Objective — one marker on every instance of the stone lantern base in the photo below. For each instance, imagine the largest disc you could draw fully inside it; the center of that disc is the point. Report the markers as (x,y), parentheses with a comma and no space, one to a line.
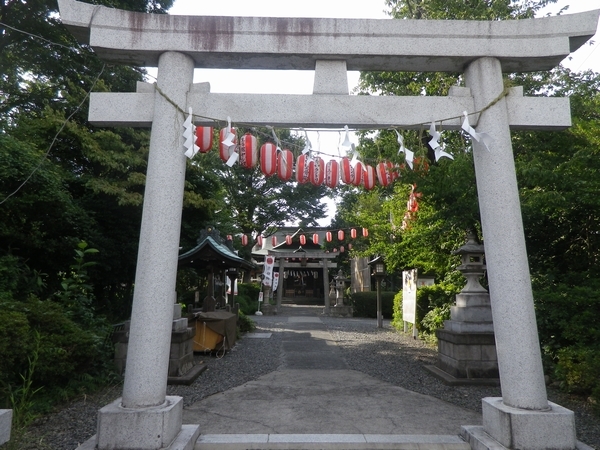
(466,344)
(341,311)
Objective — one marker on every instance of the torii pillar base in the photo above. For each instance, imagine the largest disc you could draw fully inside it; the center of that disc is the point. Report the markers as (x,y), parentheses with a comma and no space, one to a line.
(150,428)
(505,427)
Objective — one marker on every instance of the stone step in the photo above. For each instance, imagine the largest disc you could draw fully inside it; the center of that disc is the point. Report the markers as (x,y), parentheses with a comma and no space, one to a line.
(330,442)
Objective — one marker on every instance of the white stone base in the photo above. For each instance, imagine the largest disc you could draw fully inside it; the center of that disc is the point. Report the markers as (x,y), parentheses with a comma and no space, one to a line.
(5,425)
(185,440)
(514,428)
(150,428)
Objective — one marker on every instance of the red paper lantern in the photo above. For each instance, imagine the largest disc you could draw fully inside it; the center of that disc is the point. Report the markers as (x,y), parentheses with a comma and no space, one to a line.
(204,138)
(259,240)
(248,151)
(365,232)
(358,174)
(315,238)
(328,236)
(316,171)
(342,249)
(302,169)
(224,151)
(349,246)
(285,164)
(353,233)
(341,235)
(335,250)
(369,177)
(274,241)
(384,173)
(288,240)
(346,171)
(268,158)
(302,239)
(332,173)
(244,240)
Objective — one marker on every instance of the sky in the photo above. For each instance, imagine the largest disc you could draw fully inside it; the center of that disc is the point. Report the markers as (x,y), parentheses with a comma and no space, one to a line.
(301,82)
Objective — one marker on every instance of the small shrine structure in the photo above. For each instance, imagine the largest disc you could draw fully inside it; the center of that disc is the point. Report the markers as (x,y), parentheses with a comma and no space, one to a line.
(303,266)
(215,254)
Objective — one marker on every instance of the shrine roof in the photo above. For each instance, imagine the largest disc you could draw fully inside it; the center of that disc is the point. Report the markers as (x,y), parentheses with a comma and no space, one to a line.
(212,250)
(132,38)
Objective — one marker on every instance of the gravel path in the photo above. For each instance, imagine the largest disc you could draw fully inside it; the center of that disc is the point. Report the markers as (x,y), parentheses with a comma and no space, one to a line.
(382,353)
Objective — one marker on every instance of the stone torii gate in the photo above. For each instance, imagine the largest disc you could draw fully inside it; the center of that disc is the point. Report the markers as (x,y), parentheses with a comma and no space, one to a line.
(145,418)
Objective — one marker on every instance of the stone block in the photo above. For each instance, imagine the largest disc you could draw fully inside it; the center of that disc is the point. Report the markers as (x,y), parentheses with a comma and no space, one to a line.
(528,429)
(467,300)
(180,366)
(5,425)
(331,77)
(488,353)
(469,327)
(466,338)
(471,314)
(341,311)
(180,325)
(150,428)
(176,311)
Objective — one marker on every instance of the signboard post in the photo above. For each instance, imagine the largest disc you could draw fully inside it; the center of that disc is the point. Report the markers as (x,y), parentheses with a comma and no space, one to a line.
(409,300)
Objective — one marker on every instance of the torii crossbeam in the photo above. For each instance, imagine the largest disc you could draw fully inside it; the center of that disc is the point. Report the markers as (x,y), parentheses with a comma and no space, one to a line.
(482,51)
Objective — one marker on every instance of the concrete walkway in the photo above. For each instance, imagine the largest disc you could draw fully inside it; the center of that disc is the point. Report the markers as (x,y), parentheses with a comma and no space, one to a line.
(313,400)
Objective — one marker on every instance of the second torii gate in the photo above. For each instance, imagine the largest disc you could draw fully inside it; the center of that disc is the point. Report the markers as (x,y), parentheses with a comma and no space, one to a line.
(145,418)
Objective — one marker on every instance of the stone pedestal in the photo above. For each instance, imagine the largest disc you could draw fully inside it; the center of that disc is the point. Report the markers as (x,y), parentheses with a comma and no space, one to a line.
(341,311)
(466,344)
(181,353)
(505,427)
(150,428)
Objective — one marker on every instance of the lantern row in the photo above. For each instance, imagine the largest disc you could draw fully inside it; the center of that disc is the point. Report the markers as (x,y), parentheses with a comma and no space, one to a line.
(276,161)
(315,237)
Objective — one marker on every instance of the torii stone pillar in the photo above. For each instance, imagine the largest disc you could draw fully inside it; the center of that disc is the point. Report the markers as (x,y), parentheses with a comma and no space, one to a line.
(522,418)
(145,417)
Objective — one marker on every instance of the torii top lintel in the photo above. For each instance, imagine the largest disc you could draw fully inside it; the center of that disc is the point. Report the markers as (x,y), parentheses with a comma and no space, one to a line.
(296,43)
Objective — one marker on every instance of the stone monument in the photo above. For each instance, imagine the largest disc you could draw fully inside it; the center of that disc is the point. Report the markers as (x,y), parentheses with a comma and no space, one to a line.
(145,418)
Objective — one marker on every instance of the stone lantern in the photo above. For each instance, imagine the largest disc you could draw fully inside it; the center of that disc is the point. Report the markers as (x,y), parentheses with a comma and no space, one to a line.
(466,344)
(340,309)
(473,267)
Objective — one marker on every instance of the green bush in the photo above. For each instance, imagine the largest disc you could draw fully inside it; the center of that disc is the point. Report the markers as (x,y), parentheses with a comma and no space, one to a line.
(434,319)
(397,321)
(578,370)
(248,297)
(567,316)
(67,352)
(245,324)
(433,307)
(364,304)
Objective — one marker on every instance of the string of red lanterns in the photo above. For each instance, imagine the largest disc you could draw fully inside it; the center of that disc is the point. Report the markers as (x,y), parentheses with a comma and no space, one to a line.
(341,235)
(274,160)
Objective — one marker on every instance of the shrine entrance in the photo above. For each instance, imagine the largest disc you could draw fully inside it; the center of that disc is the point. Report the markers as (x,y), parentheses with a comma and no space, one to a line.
(481,51)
